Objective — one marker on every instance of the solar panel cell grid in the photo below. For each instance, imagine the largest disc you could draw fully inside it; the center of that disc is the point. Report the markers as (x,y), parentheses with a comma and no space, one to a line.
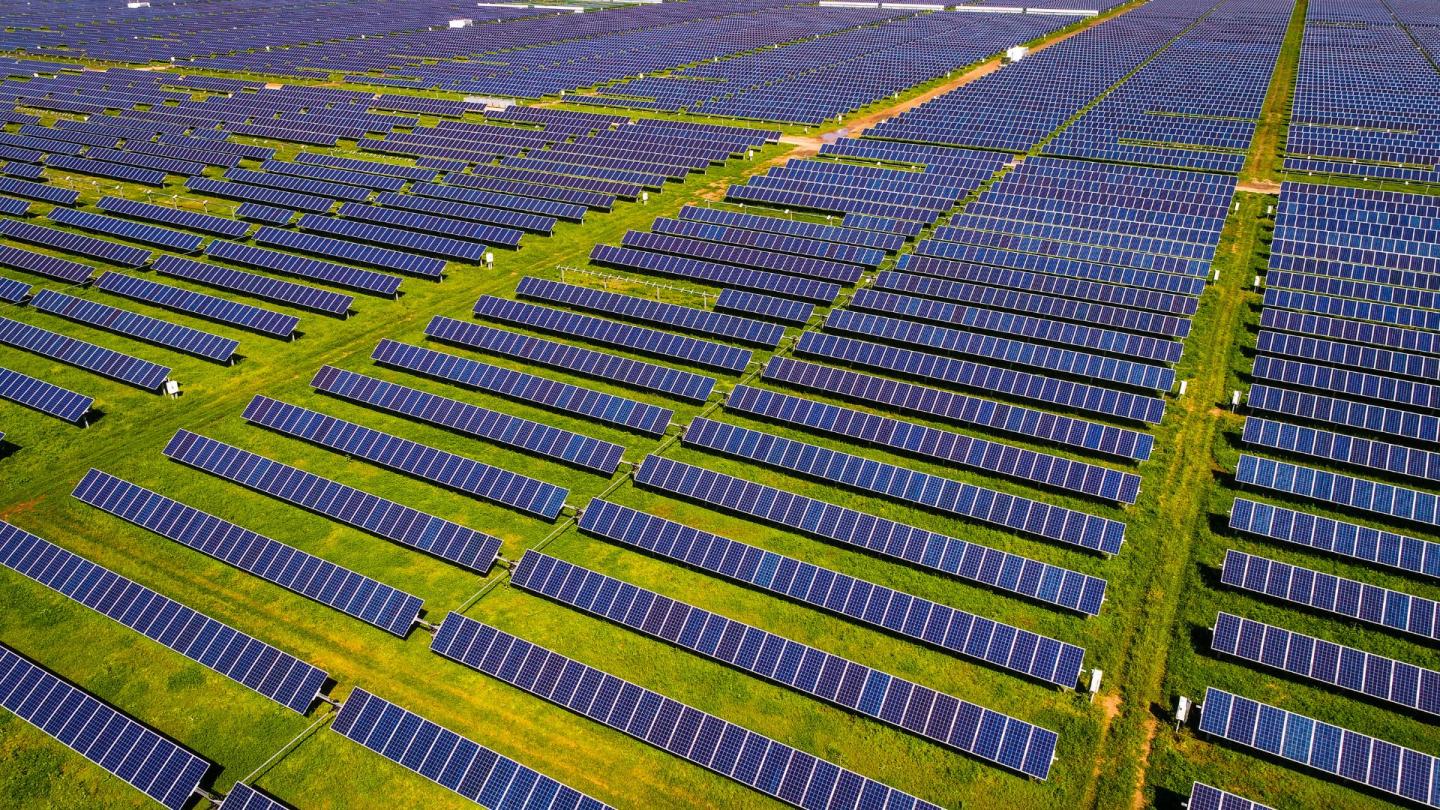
(263,287)
(81,354)
(132,324)
(1337,537)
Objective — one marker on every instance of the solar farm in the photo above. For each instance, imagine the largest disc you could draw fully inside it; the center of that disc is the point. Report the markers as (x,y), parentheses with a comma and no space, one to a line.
(720,403)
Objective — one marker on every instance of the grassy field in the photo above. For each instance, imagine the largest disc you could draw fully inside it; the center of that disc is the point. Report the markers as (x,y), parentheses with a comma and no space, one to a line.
(1117,751)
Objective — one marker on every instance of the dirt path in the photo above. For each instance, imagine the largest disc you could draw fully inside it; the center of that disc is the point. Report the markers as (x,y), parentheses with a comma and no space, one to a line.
(1259,186)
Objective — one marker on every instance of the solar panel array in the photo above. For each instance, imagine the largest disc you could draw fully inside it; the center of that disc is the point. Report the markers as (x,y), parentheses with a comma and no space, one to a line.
(42,396)
(774,657)
(279,676)
(437,466)
(133,324)
(1350,755)
(1332,664)
(1205,797)
(353,594)
(150,763)
(754,760)
(1336,537)
(444,757)
(941,494)
(262,287)
(264,321)
(81,354)
(392,521)
(1342,490)
(89,246)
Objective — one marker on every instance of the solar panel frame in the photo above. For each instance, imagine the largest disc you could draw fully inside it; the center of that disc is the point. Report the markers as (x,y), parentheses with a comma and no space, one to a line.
(290,264)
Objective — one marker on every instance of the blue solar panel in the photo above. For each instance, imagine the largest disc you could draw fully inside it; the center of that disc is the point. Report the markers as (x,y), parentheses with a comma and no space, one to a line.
(744,257)
(391,610)
(12,206)
(335,175)
(725,275)
(189,220)
(1362,452)
(570,399)
(612,333)
(244,797)
(264,321)
(986,378)
(132,324)
(982,639)
(1013,352)
(305,187)
(941,445)
(260,194)
(471,213)
(774,657)
(141,757)
(960,408)
(263,287)
(753,760)
(1331,594)
(463,249)
(12,291)
(935,492)
(1205,797)
(681,384)
(98,359)
(437,466)
(852,254)
(1352,756)
(1336,537)
(1320,408)
(44,397)
(290,264)
(425,266)
(472,420)
(1332,664)
(401,524)
(444,757)
(765,306)
(1367,358)
(743,330)
(1064,287)
(1323,326)
(511,202)
(100,168)
(265,214)
(104,250)
(1343,490)
(279,676)
(371,166)
(829,590)
(125,229)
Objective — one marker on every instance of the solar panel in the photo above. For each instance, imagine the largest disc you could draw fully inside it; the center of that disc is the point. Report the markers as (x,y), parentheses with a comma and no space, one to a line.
(1374,676)
(100,168)
(1366,358)
(414,221)
(1336,537)
(141,757)
(745,257)
(437,466)
(1205,797)
(1343,490)
(425,266)
(12,291)
(1331,594)
(132,324)
(353,594)
(265,214)
(725,748)
(105,251)
(260,194)
(464,250)
(961,408)
(371,166)
(829,590)
(392,521)
(1344,381)
(444,757)
(335,175)
(677,383)
(189,220)
(43,397)
(766,306)
(300,185)
(941,445)
(1396,459)
(512,202)
(1330,749)
(723,275)
(606,332)
(290,264)
(98,359)
(12,206)
(743,330)
(264,321)
(264,287)
(851,254)
(125,229)
(1320,408)
(806,669)
(244,797)
(38,191)
(472,420)
(935,492)
(1018,384)
(534,223)
(250,662)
